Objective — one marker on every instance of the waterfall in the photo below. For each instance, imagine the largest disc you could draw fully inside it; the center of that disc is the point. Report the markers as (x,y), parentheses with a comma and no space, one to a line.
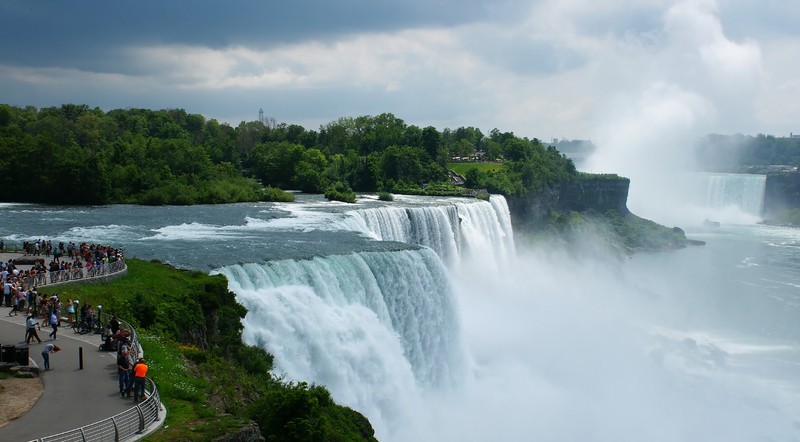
(381,330)
(369,326)
(486,231)
(744,191)
(453,230)
(436,227)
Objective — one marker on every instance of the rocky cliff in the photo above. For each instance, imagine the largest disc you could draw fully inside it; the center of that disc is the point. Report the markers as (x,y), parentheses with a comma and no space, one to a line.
(591,203)
(599,193)
(782,193)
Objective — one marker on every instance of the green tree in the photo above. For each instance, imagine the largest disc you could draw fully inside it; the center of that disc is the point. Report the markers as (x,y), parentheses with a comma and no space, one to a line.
(431,142)
(309,171)
(274,163)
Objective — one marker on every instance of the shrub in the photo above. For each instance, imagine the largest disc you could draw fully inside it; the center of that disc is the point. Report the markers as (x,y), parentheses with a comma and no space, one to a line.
(385,196)
(276,195)
(340,191)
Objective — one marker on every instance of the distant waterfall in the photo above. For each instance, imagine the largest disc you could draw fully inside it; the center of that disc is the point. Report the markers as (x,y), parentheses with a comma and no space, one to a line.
(744,191)
(475,228)
(355,322)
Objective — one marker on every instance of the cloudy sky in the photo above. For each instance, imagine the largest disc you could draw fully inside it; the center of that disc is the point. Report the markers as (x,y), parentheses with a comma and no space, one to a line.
(580,69)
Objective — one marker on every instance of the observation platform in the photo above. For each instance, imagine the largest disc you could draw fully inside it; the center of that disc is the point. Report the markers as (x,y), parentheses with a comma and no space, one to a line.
(73,397)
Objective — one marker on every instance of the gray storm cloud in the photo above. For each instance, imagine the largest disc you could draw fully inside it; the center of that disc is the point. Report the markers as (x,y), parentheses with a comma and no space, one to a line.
(543,69)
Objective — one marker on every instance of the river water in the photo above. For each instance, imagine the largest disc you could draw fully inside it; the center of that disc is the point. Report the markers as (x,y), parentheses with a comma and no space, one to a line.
(423,314)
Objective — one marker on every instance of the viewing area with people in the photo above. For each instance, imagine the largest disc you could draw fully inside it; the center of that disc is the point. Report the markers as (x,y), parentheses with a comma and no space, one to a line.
(55,351)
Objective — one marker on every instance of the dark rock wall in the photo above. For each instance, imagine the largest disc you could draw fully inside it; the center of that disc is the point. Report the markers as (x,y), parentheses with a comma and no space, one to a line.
(782,193)
(598,194)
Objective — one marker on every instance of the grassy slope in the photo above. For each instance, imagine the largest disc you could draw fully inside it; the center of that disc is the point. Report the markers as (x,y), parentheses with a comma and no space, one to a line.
(462,168)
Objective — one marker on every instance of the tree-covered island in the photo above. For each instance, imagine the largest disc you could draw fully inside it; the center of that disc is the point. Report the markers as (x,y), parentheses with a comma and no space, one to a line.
(78,155)
(74,154)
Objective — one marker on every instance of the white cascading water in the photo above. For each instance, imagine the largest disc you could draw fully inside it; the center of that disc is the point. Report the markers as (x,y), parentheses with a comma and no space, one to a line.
(436,227)
(373,327)
(454,231)
(486,231)
(379,329)
(745,191)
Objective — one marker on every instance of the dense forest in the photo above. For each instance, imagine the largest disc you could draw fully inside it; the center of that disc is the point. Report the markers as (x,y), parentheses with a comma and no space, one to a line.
(74,154)
(744,153)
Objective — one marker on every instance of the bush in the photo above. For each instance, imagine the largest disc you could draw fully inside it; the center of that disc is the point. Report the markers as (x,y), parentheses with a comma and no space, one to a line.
(302,412)
(340,191)
(276,195)
(385,196)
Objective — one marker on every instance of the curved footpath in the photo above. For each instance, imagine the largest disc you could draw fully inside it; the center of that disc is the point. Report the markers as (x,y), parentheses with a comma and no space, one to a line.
(72,397)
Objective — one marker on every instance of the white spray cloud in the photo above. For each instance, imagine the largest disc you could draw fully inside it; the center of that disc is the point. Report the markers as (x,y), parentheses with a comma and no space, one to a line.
(698,77)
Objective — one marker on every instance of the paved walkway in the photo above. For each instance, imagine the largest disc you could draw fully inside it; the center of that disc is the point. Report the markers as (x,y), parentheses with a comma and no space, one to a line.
(73,397)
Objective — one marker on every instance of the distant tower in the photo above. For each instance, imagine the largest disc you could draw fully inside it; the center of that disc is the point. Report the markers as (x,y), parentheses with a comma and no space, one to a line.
(261,116)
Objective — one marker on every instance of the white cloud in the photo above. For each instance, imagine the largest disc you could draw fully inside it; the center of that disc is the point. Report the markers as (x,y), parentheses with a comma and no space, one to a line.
(779,103)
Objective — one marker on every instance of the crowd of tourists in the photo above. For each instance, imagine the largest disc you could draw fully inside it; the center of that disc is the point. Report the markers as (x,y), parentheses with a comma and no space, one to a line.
(20,292)
(67,261)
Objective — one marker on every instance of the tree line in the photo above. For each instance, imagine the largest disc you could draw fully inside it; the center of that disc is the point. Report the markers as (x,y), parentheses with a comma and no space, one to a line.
(736,153)
(74,154)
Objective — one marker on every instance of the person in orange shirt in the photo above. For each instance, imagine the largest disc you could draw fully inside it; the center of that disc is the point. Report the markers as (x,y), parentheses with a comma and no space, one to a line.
(139,376)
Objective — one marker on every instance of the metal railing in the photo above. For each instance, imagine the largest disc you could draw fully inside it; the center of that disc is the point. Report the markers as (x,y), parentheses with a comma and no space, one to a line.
(131,422)
(133,338)
(74,275)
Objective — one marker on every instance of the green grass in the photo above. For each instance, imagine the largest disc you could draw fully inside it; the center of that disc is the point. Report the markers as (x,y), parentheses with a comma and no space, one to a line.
(462,168)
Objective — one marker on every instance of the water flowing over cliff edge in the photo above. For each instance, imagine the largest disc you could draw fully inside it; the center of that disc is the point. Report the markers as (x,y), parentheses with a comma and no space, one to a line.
(455,333)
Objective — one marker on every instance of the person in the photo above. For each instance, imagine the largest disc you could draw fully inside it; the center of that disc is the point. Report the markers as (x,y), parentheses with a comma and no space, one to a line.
(45,309)
(70,311)
(14,304)
(76,309)
(125,347)
(124,372)
(121,337)
(114,323)
(8,287)
(30,329)
(49,348)
(139,376)
(54,324)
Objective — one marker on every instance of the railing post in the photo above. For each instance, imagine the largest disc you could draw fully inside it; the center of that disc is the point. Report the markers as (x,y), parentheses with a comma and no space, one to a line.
(141,419)
(155,397)
(116,429)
